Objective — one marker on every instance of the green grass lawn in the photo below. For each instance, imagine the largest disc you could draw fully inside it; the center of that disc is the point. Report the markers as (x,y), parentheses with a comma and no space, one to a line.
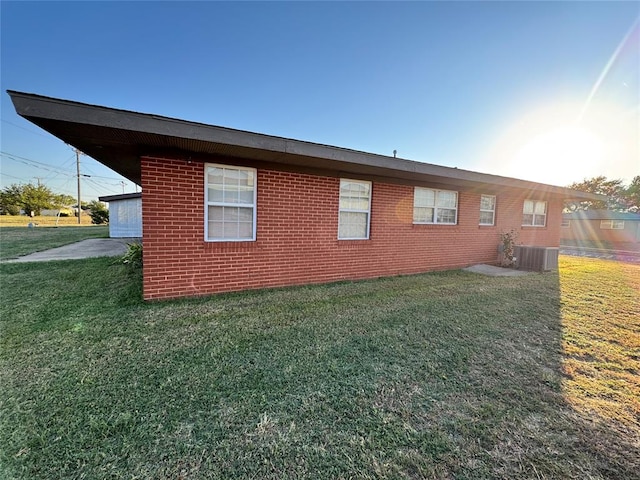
(442,375)
(18,241)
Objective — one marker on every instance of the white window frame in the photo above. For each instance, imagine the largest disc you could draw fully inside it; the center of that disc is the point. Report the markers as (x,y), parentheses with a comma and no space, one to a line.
(493,211)
(342,210)
(208,203)
(435,207)
(611,224)
(533,213)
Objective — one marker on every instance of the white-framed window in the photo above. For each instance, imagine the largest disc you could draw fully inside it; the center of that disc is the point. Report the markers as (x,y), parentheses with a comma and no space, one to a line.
(534,213)
(487,209)
(435,206)
(566,223)
(354,210)
(230,203)
(612,224)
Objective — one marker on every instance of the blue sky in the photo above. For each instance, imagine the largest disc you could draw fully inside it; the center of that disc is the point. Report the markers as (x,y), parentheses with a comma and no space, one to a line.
(499,87)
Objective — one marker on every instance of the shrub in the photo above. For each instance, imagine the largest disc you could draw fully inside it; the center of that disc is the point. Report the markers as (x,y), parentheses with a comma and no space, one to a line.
(99,213)
(508,247)
(133,257)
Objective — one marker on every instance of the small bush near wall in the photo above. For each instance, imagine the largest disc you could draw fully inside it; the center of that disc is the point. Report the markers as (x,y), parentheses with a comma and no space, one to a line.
(508,248)
(133,257)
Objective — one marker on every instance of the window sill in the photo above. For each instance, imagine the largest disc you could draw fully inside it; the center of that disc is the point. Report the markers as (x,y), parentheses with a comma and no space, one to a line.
(230,246)
(434,224)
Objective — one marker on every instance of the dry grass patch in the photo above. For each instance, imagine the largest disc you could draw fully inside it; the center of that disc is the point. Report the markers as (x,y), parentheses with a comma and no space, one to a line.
(601,345)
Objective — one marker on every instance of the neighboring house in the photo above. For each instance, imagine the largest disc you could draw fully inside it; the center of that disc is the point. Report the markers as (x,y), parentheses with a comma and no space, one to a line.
(600,227)
(64,211)
(125,215)
(227,210)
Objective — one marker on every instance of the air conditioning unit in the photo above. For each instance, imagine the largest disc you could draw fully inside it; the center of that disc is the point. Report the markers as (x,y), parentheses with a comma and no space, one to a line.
(539,259)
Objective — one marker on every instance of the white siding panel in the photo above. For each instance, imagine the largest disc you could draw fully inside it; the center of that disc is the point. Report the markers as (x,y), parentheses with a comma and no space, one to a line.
(125,218)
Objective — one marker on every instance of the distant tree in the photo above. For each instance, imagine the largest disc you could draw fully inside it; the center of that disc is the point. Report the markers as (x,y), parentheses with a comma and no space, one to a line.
(11,200)
(614,189)
(63,200)
(99,212)
(36,198)
(30,198)
(633,194)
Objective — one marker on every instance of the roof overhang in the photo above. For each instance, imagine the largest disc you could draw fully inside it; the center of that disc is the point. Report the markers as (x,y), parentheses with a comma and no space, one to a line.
(123,196)
(120,138)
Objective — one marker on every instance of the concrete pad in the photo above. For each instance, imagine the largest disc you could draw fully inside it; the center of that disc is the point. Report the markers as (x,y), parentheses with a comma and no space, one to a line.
(495,271)
(94,247)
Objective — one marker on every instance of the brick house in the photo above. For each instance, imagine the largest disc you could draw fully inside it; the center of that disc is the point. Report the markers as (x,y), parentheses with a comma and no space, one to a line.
(227,210)
(601,228)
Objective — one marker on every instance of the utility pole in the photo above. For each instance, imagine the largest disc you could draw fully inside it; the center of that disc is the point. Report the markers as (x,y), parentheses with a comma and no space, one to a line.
(123,185)
(78,173)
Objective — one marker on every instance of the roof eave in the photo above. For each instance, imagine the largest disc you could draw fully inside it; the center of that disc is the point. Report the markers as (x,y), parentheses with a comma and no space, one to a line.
(137,134)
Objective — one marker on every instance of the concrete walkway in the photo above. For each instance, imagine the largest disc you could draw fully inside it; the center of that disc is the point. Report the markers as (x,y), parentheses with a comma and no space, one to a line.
(94,247)
(495,271)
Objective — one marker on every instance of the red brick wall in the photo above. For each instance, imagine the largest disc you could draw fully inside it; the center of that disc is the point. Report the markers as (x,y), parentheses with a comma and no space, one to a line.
(297,224)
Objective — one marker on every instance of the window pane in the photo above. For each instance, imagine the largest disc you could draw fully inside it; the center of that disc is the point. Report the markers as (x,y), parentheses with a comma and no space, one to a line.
(245,230)
(527,219)
(446,215)
(354,195)
(346,202)
(349,188)
(486,218)
(422,215)
(216,214)
(215,176)
(230,193)
(232,176)
(230,230)
(216,194)
(228,187)
(215,230)
(539,220)
(245,195)
(541,208)
(487,202)
(447,199)
(245,215)
(528,207)
(243,177)
(424,197)
(352,225)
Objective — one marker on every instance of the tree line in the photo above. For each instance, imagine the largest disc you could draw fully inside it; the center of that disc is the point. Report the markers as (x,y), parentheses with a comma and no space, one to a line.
(621,197)
(31,200)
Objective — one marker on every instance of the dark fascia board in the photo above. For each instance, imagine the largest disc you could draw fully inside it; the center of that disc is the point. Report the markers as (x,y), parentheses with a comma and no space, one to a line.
(37,108)
(124,196)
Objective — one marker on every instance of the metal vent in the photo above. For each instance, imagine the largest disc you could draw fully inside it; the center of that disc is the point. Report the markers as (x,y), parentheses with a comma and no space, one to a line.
(539,259)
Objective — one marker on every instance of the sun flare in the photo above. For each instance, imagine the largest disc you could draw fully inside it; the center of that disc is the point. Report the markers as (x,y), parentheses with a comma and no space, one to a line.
(562,150)
(551,145)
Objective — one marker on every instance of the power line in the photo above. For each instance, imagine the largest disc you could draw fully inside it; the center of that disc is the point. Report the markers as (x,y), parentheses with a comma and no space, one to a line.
(13,176)
(26,129)
(49,167)
(34,163)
